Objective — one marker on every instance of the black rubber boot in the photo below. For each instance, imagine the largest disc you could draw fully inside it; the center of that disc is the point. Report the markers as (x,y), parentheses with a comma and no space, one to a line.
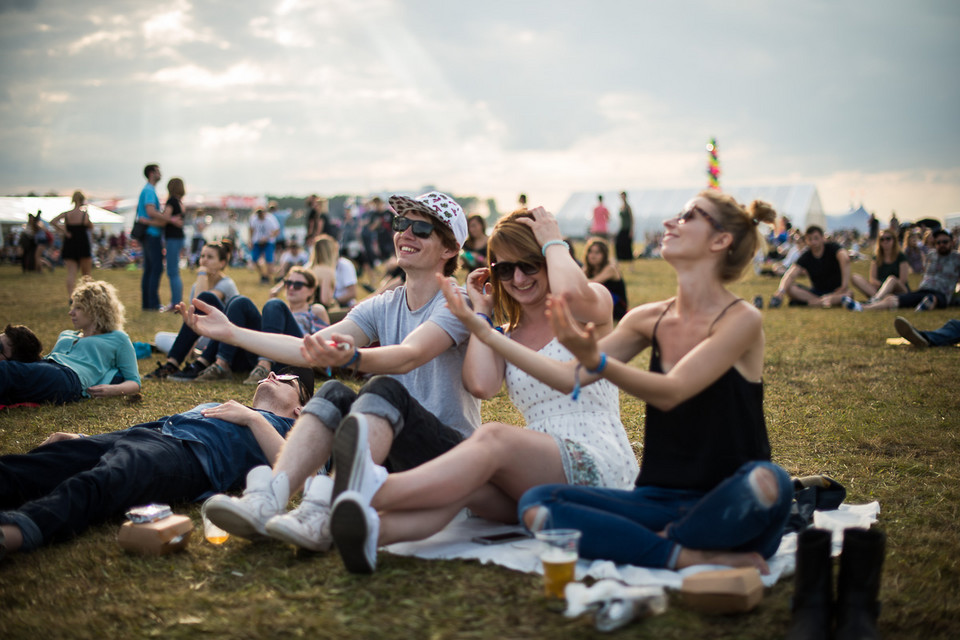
(858,587)
(813,587)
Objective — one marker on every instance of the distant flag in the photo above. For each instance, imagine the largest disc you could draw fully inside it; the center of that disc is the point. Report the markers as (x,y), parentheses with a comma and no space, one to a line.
(713,166)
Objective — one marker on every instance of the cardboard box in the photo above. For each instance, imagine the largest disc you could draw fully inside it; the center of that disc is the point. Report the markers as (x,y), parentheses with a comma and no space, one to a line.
(156,538)
(723,591)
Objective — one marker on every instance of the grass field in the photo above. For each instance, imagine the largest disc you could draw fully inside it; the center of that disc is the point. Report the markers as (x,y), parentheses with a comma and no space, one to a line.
(883,420)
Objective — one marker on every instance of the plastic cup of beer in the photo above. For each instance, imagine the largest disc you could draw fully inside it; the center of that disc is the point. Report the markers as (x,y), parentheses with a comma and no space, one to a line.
(213,533)
(558,553)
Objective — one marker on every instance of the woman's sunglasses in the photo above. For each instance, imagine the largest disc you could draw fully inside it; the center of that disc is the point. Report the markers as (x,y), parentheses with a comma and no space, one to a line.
(421,228)
(294,284)
(504,270)
(686,216)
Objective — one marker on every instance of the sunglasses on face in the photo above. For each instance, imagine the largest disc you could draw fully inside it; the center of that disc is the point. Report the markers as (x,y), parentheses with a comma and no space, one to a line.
(504,271)
(421,228)
(285,378)
(943,241)
(294,284)
(885,238)
(688,215)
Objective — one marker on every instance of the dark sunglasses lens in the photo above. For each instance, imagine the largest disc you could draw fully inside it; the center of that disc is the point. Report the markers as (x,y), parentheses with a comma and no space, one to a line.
(529,268)
(421,228)
(505,270)
(296,285)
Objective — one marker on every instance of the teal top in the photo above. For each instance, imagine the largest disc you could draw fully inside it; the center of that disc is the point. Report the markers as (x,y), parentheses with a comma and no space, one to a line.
(96,359)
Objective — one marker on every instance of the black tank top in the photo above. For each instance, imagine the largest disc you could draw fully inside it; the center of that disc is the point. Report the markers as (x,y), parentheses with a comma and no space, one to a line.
(704,440)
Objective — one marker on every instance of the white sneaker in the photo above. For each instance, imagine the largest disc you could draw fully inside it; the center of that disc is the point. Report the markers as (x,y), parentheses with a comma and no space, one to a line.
(356,528)
(307,526)
(265,496)
(354,469)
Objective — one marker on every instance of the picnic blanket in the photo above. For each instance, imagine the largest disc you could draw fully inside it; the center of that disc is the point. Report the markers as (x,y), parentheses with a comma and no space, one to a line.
(455,541)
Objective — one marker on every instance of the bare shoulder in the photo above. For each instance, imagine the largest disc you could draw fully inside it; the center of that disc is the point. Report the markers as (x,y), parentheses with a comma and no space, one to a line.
(641,319)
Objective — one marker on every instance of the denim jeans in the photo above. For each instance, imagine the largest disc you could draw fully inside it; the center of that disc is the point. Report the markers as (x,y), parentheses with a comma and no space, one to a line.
(152,272)
(622,525)
(187,337)
(945,336)
(58,490)
(174,246)
(242,312)
(418,436)
(43,381)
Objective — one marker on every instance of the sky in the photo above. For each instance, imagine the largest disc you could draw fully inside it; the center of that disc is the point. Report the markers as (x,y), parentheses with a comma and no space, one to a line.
(490,99)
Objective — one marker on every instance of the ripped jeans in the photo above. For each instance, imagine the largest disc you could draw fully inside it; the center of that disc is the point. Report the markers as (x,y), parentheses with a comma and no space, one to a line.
(622,525)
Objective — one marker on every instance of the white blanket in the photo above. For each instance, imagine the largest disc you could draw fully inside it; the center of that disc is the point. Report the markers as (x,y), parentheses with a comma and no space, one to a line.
(455,541)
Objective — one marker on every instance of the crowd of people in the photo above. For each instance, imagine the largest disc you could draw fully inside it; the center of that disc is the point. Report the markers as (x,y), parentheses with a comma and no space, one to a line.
(407,449)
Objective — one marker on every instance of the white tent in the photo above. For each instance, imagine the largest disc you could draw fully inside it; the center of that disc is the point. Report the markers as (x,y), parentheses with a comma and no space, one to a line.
(856,219)
(14,210)
(799,202)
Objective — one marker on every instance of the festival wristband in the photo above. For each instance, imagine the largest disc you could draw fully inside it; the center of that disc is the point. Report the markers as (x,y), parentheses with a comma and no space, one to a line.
(490,322)
(550,243)
(356,356)
(601,366)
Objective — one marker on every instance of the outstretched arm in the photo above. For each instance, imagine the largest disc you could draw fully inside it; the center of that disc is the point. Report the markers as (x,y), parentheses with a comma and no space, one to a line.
(267,437)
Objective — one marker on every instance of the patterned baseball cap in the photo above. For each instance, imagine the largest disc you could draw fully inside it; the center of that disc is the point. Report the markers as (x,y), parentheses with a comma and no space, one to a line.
(437,205)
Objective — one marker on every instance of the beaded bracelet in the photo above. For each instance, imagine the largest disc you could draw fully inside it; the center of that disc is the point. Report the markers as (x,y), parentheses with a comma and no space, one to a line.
(576,374)
(550,243)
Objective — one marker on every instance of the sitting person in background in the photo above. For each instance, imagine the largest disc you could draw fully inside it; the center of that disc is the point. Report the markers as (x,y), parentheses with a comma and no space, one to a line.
(345,291)
(215,288)
(293,256)
(20,344)
(948,334)
(888,262)
(96,360)
(828,267)
(600,268)
(913,249)
(941,272)
(323,264)
(474,252)
(70,481)
(297,317)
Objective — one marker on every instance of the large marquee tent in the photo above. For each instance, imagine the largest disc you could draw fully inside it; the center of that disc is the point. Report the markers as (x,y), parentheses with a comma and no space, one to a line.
(14,210)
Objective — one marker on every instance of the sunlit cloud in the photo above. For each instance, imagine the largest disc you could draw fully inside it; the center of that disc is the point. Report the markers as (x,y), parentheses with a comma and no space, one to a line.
(233,135)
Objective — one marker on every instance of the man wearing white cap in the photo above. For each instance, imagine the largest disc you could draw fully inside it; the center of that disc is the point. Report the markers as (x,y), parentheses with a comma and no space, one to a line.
(412,413)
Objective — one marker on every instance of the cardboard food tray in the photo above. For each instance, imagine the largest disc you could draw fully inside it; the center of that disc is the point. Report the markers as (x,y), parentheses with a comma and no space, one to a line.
(156,538)
(723,591)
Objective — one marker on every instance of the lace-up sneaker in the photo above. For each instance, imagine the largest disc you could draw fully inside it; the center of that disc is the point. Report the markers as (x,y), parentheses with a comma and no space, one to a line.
(213,373)
(163,370)
(189,372)
(909,332)
(355,526)
(266,495)
(851,304)
(354,469)
(928,302)
(259,373)
(307,526)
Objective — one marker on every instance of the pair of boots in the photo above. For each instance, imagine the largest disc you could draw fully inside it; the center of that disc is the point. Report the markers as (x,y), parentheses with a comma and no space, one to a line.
(858,586)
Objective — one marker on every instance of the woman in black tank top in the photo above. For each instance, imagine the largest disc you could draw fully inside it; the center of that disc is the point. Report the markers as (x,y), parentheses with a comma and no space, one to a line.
(77,251)
(706,447)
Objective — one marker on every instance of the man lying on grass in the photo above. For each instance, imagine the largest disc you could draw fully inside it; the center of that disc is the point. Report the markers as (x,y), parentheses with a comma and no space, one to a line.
(71,481)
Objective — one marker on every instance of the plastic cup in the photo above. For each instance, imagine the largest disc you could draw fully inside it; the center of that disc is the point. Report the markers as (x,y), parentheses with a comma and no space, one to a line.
(213,533)
(559,550)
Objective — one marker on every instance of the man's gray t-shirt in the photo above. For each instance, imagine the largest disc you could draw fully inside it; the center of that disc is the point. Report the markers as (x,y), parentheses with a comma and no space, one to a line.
(437,385)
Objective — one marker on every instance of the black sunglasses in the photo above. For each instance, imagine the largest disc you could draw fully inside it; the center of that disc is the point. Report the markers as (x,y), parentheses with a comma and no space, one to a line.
(284,377)
(504,270)
(421,228)
(295,284)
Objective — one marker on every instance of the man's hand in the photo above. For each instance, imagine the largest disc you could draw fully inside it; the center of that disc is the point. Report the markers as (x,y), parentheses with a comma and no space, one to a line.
(210,321)
(232,411)
(322,353)
(58,436)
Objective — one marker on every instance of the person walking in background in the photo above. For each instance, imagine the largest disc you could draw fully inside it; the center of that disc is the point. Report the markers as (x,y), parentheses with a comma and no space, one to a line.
(173,214)
(148,213)
(624,241)
(77,252)
(264,229)
(601,220)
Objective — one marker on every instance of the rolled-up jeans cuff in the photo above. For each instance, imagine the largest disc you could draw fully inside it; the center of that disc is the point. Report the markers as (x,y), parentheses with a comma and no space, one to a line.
(674,557)
(32,538)
(372,404)
(325,411)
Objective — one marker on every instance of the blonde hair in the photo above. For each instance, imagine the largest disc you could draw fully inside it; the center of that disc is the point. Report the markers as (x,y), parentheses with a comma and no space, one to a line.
(741,223)
(325,251)
(78,198)
(99,300)
(511,235)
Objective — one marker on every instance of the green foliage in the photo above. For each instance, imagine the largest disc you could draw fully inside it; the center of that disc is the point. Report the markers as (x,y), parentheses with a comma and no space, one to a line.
(880,419)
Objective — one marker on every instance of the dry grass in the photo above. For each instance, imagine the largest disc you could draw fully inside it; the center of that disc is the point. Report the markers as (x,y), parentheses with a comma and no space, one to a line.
(882,420)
